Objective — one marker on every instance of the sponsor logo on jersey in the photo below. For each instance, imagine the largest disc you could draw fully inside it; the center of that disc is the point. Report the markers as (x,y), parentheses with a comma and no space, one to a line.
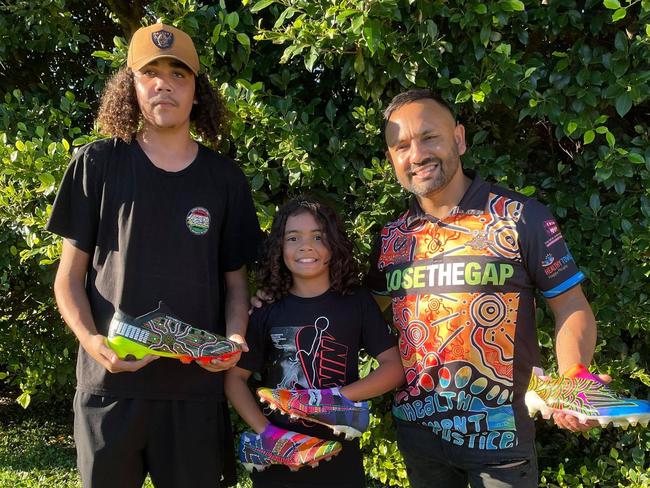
(548,260)
(557,265)
(551,227)
(198,220)
(553,231)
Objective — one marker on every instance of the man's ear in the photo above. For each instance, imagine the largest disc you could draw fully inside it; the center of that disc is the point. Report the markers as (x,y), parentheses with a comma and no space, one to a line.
(388,156)
(459,138)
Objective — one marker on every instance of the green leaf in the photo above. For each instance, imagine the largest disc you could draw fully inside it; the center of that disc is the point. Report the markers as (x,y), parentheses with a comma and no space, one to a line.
(359,64)
(371,34)
(261,5)
(626,225)
(512,5)
(480,8)
(484,35)
(619,14)
(311,58)
(529,72)
(330,111)
(232,19)
(432,29)
(478,96)
(244,40)
(611,140)
(479,137)
(216,33)
(589,136)
(594,202)
(623,104)
(612,4)
(571,128)
(257,182)
(635,158)
(47,180)
(24,399)
(529,190)
(102,55)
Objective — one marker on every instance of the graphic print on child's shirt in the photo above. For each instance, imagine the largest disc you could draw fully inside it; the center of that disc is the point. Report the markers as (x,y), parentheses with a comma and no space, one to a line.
(309,356)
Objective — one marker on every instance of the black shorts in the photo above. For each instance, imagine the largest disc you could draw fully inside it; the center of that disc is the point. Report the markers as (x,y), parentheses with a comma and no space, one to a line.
(432,462)
(179,443)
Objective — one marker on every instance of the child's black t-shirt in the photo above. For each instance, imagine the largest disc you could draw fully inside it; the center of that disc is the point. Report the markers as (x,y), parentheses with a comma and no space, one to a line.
(314,343)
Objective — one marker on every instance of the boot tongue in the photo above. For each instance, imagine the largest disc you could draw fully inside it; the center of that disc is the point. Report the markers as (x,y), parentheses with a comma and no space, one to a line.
(579,371)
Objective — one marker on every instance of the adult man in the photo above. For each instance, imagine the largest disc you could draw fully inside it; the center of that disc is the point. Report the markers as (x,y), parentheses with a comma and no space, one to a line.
(151,215)
(462,265)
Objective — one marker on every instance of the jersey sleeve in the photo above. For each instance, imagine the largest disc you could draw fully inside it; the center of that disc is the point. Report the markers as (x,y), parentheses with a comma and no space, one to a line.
(241,233)
(545,253)
(376,336)
(375,280)
(75,213)
(253,360)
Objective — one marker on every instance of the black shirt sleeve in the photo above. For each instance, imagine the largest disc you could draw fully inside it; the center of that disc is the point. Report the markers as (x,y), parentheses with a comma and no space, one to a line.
(75,213)
(545,253)
(376,336)
(241,230)
(375,280)
(254,359)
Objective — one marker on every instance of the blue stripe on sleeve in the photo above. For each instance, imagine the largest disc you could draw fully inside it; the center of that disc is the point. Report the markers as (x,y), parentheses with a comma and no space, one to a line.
(562,287)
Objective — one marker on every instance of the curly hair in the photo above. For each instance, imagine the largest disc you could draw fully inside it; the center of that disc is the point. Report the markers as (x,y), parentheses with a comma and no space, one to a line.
(119,114)
(275,279)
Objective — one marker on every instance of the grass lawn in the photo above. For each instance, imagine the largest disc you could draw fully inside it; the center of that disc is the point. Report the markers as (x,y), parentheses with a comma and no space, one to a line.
(37,449)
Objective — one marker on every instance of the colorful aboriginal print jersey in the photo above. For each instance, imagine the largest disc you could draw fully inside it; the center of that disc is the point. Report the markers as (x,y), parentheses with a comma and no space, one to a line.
(463,295)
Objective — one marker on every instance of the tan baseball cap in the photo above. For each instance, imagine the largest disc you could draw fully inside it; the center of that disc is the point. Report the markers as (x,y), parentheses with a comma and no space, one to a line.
(161,41)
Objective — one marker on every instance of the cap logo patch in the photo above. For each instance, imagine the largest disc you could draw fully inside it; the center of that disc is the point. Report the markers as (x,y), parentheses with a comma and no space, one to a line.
(198,221)
(162,39)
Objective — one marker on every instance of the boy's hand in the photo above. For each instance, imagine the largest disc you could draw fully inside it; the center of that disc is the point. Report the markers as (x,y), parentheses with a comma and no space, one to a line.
(217,365)
(95,345)
(259,299)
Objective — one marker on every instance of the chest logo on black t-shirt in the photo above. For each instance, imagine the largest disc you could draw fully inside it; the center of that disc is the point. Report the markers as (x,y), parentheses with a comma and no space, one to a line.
(198,221)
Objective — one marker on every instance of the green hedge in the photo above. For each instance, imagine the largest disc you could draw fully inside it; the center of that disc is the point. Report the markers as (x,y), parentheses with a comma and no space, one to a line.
(554,96)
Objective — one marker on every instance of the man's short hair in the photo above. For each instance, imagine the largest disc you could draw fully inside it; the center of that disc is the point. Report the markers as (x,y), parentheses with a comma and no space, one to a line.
(411,96)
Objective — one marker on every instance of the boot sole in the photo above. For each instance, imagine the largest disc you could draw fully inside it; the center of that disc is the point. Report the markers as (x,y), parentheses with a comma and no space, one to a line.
(536,404)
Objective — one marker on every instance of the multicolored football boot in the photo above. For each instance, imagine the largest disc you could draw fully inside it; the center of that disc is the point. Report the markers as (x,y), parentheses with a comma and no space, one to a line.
(327,407)
(584,395)
(280,446)
(161,334)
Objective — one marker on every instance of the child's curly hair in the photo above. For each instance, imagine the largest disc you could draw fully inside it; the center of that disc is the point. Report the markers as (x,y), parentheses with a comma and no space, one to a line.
(274,278)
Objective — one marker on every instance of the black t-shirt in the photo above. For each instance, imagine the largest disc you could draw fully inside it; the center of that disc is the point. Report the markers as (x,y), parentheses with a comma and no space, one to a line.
(315,343)
(155,235)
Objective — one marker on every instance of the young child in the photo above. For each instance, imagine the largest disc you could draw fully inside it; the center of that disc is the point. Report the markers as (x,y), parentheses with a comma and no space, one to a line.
(306,344)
